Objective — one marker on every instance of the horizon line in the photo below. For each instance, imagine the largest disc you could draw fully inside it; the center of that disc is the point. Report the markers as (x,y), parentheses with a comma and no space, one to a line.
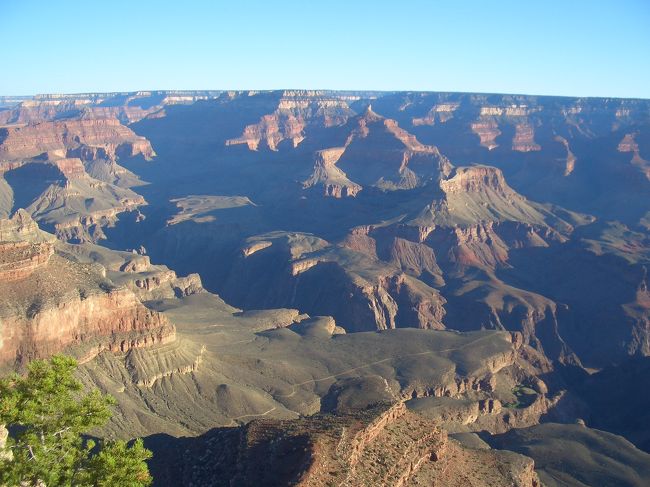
(272,90)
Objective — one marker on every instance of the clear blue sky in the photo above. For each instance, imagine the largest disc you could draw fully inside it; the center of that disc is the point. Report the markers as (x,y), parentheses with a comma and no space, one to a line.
(555,47)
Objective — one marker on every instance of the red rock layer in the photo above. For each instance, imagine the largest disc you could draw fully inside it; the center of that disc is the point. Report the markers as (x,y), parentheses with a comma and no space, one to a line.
(293,112)
(524,139)
(71,167)
(475,179)
(51,304)
(113,320)
(32,140)
(19,260)
(382,446)
(272,129)
(488,131)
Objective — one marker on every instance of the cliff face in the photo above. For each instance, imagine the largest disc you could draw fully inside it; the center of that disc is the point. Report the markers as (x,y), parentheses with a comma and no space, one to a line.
(400,161)
(108,134)
(112,320)
(66,175)
(326,174)
(539,143)
(127,107)
(292,114)
(51,304)
(444,214)
(23,247)
(457,192)
(385,445)
(296,270)
(479,218)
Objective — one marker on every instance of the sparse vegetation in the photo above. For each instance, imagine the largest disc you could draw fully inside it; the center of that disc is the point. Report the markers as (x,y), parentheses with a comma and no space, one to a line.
(48,416)
(524,396)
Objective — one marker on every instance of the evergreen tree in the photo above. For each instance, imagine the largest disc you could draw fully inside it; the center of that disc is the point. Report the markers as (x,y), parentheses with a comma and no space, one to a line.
(48,414)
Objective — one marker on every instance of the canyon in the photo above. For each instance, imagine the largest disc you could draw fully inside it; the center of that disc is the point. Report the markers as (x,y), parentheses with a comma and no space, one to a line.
(340,288)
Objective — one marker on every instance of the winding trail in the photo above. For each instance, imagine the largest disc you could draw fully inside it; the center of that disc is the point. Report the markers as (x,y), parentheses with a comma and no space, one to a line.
(388,359)
(370,364)
(234,420)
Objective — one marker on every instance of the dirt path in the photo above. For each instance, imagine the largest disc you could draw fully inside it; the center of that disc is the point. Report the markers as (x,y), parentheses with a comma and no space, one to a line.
(388,359)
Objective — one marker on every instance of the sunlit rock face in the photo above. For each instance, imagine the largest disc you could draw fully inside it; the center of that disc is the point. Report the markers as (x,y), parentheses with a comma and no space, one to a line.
(453,252)
(51,304)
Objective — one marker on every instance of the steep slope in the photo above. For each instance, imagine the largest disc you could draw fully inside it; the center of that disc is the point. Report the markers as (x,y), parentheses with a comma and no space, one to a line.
(386,446)
(386,274)
(480,294)
(574,152)
(293,113)
(65,173)
(375,151)
(332,179)
(303,271)
(50,303)
(568,454)
(115,139)
(471,227)
(63,198)
(126,107)
(228,367)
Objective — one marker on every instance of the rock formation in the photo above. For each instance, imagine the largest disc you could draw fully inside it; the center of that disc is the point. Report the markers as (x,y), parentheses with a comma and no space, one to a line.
(384,445)
(297,270)
(326,173)
(127,107)
(487,131)
(51,304)
(108,134)
(87,188)
(629,144)
(475,259)
(293,112)
(399,160)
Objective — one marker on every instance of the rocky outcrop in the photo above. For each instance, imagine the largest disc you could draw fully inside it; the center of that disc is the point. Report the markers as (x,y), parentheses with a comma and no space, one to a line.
(440,113)
(21,228)
(487,131)
(334,181)
(383,445)
(147,281)
(69,171)
(255,247)
(292,112)
(299,271)
(475,179)
(126,107)
(271,130)
(83,326)
(50,304)
(146,367)
(109,134)
(400,160)
(70,167)
(79,209)
(480,217)
(463,415)
(165,283)
(571,159)
(23,247)
(524,139)
(19,260)
(629,144)
(66,200)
